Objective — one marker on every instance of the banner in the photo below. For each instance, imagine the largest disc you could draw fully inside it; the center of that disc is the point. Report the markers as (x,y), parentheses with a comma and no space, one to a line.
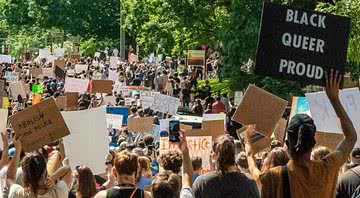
(198,147)
(124,111)
(76,85)
(261,108)
(141,125)
(114,121)
(301,45)
(165,104)
(88,144)
(39,125)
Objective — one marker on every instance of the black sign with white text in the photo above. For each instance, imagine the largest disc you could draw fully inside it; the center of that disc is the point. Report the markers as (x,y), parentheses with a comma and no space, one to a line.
(301,45)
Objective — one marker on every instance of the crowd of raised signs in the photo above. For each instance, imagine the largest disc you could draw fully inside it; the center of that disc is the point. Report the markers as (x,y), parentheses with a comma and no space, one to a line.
(99,128)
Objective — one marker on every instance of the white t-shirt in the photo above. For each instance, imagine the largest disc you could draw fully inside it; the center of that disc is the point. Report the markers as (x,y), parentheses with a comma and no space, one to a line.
(59,191)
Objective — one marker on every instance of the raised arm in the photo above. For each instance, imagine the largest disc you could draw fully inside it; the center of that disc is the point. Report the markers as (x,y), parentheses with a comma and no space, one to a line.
(5,152)
(346,145)
(187,171)
(11,173)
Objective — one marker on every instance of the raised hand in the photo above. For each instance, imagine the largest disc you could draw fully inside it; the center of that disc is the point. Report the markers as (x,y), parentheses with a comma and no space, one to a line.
(333,85)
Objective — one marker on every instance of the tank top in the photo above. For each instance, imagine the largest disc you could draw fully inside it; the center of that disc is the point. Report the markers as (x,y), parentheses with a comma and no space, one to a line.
(124,192)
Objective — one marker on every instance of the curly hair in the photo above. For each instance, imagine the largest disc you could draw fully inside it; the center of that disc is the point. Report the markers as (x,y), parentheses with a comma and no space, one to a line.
(166,185)
(171,161)
(126,163)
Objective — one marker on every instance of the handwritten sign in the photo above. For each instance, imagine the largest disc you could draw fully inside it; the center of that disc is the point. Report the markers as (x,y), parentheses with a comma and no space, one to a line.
(61,103)
(114,121)
(101,86)
(48,72)
(301,45)
(165,104)
(72,100)
(76,85)
(36,71)
(124,111)
(141,125)
(198,147)
(261,108)
(39,125)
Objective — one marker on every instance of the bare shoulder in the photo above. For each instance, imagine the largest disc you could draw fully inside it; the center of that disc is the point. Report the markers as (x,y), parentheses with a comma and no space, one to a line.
(101,194)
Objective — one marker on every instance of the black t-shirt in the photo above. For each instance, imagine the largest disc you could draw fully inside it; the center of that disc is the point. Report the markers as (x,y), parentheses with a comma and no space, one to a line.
(229,185)
(348,182)
(119,192)
(136,82)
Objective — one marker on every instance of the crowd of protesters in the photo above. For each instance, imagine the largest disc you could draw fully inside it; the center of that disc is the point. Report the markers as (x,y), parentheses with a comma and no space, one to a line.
(134,169)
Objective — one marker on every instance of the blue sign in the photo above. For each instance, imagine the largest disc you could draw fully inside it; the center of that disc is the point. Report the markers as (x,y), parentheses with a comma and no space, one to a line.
(124,111)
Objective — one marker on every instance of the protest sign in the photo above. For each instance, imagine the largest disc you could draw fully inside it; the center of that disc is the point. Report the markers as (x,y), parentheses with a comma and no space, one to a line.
(61,103)
(60,63)
(35,71)
(48,72)
(37,88)
(299,105)
(76,85)
(198,147)
(128,101)
(238,97)
(3,119)
(164,124)
(329,140)
(280,130)
(114,121)
(156,132)
(59,52)
(88,144)
(26,88)
(261,108)
(209,117)
(39,124)
(101,86)
(113,75)
(44,53)
(324,114)
(110,100)
(349,83)
(59,73)
(4,102)
(165,104)
(79,68)
(141,125)
(124,111)
(72,100)
(113,62)
(214,128)
(16,89)
(11,76)
(258,141)
(5,58)
(301,45)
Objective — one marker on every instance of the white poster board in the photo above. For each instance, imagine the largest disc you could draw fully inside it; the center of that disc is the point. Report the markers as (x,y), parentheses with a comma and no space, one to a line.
(114,121)
(44,53)
(324,114)
(5,58)
(80,68)
(238,97)
(165,104)
(113,62)
(88,144)
(76,85)
(59,52)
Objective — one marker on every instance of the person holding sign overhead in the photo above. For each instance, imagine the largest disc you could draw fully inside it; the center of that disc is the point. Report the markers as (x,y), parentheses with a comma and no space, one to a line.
(303,177)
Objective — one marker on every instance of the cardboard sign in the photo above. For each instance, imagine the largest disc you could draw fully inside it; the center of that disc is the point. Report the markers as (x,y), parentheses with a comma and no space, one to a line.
(3,119)
(113,62)
(16,89)
(261,108)
(72,100)
(88,144)
(114,121)
(258,141)
(76,85)
(280,130)
(141,125)
(299,105)
(219,116)
(39,125)
(36,71)
(61,103)
(11,76)
(165,104)
(124,111)
(198,147)
(301,45)
(349,83)
(81,68)
(330,140)
(60,63)
(214,128)
(324,115)
(101,86)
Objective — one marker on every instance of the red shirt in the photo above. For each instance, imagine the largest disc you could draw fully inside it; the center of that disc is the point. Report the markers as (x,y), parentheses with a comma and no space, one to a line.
(218,107)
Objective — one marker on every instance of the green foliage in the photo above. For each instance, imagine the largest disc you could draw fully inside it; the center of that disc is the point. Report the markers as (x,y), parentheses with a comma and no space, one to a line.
(216,86)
